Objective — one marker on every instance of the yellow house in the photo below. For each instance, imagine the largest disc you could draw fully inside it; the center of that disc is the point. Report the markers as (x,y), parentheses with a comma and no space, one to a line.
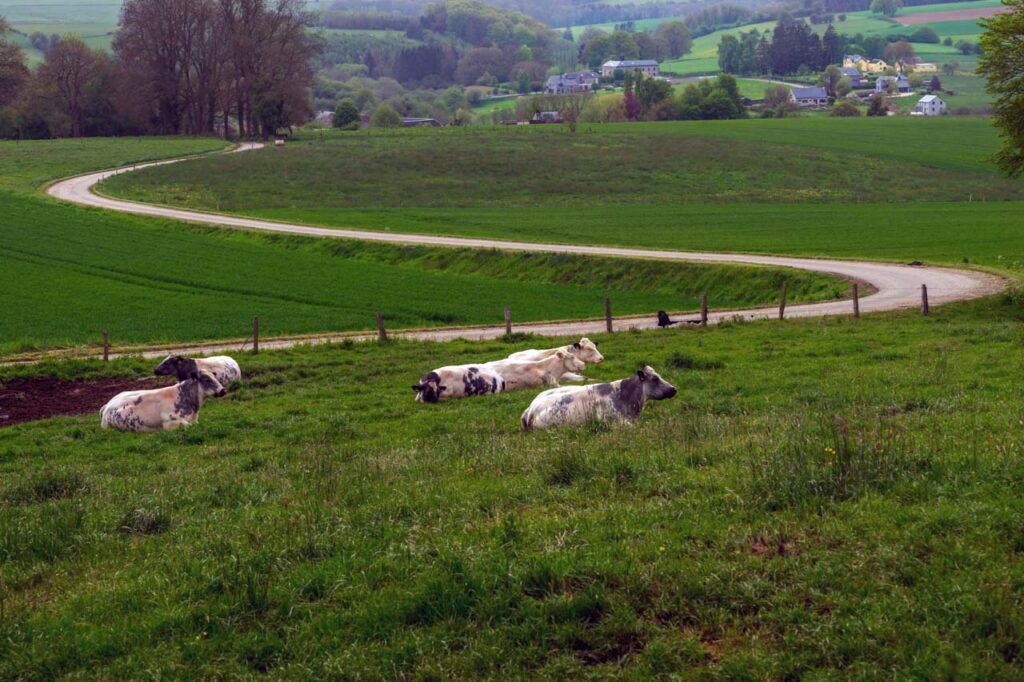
(925,67)
(855,61)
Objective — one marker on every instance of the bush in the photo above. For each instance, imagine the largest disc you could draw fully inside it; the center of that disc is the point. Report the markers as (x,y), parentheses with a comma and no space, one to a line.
(925,34)
(385,117)
(346,116)
(948,42)
(845,108)
(878,105)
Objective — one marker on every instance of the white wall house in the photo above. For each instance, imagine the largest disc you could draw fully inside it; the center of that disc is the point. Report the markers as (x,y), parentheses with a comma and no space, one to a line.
(931,105)
(648,67)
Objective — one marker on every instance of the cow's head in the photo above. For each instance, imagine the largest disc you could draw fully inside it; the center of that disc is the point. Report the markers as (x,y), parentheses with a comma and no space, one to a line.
(177,366)
(429,389)
(655,388)
(571,362)
(208,384)
(587,351)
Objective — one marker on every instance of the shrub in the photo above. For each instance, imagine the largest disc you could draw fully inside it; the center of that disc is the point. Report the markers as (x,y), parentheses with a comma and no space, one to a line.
(925,34)
(878,105)
(346,116)
(385,117)
(845,108)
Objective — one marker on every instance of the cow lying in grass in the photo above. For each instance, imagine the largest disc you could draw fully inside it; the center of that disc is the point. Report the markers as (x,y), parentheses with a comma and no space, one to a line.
(544,372)
(584,349)
(224,369)
(621,400)
(161,408)
(458,381)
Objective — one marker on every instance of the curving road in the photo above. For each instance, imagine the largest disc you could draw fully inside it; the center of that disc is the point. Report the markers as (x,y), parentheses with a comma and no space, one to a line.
(896,286)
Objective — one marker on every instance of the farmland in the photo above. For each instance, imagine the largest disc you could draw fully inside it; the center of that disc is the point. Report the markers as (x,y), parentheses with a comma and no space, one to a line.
(155,281)
(317,522)
(664,205)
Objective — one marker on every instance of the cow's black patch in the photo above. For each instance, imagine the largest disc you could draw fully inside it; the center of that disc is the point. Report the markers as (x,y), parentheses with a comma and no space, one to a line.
(629,400)
(187,401)
(566,399)
(603,390)
(474,384)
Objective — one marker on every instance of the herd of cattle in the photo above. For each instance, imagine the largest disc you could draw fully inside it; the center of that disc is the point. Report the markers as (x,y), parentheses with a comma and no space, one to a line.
(178,405)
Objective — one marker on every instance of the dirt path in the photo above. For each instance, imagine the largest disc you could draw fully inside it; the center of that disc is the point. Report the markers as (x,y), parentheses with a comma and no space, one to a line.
(896,286)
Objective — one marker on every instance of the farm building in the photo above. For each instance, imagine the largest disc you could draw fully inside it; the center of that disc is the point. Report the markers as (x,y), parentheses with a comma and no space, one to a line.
(568,83)
(902,84)
(857,79)
(809,97)
(926,67)
(645,66)
(546,117)
(411,122)
(930,105)
(863,64)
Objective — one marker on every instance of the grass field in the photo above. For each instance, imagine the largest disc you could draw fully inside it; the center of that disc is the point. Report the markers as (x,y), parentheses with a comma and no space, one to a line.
(658,203)
(823,499)
(69,273)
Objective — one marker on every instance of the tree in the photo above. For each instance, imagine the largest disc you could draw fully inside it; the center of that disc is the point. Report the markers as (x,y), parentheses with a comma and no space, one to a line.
(925,34)
(674,38)
(385,117)
(935,84)
(878,105)
(844,87)
(13,72)
(1002,64)
(950,67)
(845,108)
(523,83)
(651,91)
(68,77)
(830,49)
(887,7)
(346,116)
(729,54)
(830,79)
(777,95)
(966,48)
(901,52)
(570,107)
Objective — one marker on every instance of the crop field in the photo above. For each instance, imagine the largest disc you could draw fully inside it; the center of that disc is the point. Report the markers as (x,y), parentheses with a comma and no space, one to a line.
(69,273)
(662,201)
(821,497)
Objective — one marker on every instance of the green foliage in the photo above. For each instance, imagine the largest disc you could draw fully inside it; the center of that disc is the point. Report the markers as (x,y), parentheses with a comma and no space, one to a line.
(1001,65)
(385,117)
(878,105)
(887,7)
(844,109)
(346,116)
(925,34)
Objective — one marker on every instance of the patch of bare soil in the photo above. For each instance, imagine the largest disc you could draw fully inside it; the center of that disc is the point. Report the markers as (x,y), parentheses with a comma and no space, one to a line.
(25,400)
(950,15)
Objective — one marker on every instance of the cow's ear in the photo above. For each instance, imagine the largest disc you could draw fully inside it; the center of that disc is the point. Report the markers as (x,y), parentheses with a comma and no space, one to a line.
(442,388)
(193,375)
(577,345)
(417,388)
(641,375)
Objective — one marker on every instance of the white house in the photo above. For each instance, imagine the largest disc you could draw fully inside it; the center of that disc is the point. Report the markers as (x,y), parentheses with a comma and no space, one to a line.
(931,105)
(902,84)
(567,83)
(809,97)
(647,67)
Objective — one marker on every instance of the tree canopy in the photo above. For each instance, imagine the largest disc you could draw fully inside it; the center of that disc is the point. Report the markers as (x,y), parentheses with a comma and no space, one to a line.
(1002,64)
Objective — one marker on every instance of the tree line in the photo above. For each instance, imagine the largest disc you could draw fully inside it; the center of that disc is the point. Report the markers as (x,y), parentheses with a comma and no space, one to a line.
(236,67)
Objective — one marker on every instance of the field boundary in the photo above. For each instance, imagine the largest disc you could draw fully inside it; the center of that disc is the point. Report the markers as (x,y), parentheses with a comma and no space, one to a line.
(895,286)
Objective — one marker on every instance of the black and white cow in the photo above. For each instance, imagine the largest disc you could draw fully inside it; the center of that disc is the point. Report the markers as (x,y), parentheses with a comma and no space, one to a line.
(160,409)
(531,374)
(458,381)
(224,369)
(619,400)
(584,349)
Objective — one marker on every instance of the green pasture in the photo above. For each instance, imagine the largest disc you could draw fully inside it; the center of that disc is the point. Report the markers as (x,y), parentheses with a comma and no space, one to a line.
(823,499)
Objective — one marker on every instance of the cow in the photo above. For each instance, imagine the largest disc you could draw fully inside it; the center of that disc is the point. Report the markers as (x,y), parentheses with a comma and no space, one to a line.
(584,349)
(531,374)
(224,369)
(621,400)
(458,381)
(159,409)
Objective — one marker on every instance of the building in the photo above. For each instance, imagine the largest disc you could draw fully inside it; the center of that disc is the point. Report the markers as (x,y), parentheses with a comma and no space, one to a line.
(546,117)
(809,97)
(925,67)
(857,79)
(864,65)
(325,117)
(902,84)
(930,105)
(648,67)
(568,83)
(413,122)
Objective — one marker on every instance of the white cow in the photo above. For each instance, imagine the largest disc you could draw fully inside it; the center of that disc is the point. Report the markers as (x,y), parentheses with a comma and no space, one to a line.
(161,408)
(619,400)
(543,372)
(584,349)
(458,381)
(224,369)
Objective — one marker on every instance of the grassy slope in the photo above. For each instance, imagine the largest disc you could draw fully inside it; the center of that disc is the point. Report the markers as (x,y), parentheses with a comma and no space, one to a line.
(71,272)
(649,216)
(821,496)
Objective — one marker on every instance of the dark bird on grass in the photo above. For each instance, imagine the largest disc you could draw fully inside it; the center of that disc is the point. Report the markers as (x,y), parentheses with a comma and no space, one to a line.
(664,321)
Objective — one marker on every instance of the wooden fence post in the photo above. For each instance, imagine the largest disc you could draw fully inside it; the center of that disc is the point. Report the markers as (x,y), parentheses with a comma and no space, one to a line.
(608,314)
(856,301)
(256,334)
(380,328)
(106,346)
(924,299)
(508,320)
(782,301)
(704,309)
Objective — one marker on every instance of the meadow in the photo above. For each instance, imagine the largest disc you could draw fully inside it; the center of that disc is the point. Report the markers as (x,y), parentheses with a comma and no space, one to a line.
(70,273)
(822,499)
(670,186)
